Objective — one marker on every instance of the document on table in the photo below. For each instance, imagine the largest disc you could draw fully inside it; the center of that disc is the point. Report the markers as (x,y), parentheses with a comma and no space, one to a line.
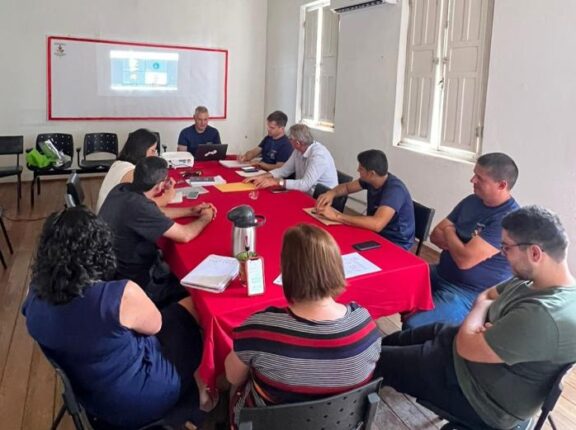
(325,221)
(354,265)
(234,187)
(233,164)
(213,274)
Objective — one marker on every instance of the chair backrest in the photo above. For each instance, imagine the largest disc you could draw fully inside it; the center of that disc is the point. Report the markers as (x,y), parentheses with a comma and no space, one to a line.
(62,142)
(339,203)
(100,142)
(343,178)
(423,217)
(344,411)
(11,145)
(553,396)
(74,189)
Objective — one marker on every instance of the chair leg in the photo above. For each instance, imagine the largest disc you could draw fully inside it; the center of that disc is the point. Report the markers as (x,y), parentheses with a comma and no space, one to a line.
(38,185)
(56,422)
(19,191)
(3,261)
(32,191)
(552,423)
(6,236)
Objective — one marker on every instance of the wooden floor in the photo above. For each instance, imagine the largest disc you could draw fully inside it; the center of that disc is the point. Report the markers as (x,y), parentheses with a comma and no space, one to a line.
(29,394)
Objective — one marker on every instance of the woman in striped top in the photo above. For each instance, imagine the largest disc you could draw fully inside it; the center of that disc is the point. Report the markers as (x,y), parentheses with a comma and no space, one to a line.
(313,348)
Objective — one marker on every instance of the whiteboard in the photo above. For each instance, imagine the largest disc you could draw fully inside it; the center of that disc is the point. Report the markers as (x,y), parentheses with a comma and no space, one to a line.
(92,79)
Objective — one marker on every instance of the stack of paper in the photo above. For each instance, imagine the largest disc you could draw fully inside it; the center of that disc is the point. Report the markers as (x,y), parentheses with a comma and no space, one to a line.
(233,164)
(205,180)
(213,274)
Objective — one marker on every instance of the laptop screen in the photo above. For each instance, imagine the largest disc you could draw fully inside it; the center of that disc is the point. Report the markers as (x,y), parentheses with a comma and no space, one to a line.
(210,151)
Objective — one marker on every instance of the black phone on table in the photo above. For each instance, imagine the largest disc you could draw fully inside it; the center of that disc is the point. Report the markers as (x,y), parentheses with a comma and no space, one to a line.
(364,246)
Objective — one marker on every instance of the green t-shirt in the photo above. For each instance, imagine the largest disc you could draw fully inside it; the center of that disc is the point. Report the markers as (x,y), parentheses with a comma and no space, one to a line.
(534,333)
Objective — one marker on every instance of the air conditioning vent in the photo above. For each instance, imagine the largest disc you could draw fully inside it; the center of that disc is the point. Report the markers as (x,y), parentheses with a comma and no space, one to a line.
(343,6)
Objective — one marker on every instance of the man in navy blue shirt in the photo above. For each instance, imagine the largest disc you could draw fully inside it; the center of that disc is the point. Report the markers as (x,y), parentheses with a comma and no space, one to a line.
(198,133)
(390,211)
(470,239)
(275,148)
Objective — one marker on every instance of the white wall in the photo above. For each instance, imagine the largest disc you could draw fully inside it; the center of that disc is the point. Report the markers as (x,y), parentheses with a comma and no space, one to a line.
(239,26)
(531,100)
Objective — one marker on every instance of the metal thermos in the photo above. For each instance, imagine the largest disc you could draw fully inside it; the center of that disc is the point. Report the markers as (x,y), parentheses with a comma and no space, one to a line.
(244,227)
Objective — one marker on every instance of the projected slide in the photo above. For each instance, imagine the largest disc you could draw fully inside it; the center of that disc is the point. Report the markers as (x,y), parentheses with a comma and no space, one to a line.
(102,79)
(147,70)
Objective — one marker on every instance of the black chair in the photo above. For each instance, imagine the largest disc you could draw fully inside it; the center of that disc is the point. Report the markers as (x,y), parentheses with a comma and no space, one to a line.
(354,409)
(176,418)
(6,237)
(338,203)
(13,145)
(423,217)
(545,412)
(343,178)
(98,143)
(74,192)
(62,142)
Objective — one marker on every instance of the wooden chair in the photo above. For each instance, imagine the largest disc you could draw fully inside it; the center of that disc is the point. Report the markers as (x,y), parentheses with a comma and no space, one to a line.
(13,145)
(545,412)
(98,143)
(423,217)
(354,409)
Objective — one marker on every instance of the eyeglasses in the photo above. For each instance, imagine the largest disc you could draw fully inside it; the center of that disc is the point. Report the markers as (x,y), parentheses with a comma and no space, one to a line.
(504,248)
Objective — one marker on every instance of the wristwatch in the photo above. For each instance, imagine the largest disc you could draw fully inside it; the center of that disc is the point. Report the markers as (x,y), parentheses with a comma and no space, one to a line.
(281,182)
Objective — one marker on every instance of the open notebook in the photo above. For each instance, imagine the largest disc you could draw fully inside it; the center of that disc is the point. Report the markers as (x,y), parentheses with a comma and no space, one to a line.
(213,274)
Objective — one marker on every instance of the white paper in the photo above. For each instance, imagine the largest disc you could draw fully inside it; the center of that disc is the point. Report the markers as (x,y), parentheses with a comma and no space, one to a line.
(354,265)
(233,164)
(187,190)
(250,174)
(213,273)
(177,198)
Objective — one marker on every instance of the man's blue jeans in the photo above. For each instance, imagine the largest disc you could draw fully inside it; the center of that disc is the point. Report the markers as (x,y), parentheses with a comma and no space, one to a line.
(451,304)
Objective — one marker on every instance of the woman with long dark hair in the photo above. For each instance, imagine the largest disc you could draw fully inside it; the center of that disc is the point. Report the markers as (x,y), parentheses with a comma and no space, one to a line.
(128,362)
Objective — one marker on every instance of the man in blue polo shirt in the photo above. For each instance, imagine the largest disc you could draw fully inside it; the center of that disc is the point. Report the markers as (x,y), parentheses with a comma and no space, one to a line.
(198,133)
(275,148)
(470,239)
(390,210)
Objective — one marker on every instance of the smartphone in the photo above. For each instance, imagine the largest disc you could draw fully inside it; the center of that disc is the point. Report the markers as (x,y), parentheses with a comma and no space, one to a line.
(364,246)
(192,195)
(250,169)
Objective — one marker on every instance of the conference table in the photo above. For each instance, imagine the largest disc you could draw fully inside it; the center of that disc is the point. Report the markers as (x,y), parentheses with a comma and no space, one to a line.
(402,284)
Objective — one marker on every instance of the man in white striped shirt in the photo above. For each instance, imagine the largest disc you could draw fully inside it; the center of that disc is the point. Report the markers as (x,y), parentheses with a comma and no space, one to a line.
(310,162)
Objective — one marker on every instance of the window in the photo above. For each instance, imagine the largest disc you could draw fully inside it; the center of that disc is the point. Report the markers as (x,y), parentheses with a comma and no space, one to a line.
(318,58)
(448,46)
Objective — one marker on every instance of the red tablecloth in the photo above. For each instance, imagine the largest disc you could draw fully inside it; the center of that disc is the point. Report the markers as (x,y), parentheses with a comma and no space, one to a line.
(402,285)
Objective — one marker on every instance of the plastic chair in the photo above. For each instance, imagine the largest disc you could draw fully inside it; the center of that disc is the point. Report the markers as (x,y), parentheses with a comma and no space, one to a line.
(545,414)
(74,192)
(13,145)
(423,217)
(6,237)
(339,203)
(354,409)
(95,143)
(176,418)
(62,142)
(343,178)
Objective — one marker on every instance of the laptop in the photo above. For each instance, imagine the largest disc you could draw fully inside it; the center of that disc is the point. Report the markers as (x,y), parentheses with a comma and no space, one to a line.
(210,152)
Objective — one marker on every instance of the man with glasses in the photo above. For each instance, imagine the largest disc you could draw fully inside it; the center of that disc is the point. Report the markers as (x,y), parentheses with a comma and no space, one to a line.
(469,237)
(138,223)
(498,366)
